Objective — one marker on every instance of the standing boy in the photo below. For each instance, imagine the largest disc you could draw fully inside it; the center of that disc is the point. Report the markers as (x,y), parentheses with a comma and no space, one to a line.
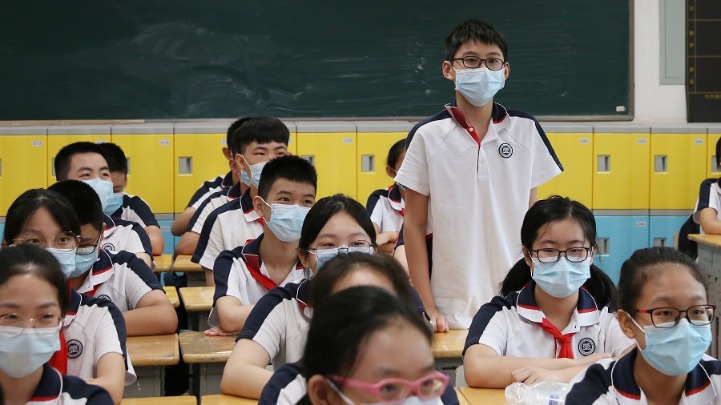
(474,167)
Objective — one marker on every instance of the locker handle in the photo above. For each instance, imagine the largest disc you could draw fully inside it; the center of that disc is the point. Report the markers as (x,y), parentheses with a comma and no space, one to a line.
(310,159)
(368,163)
(185,165)
(660,163)
(604,163)
(603,245)
(659,242)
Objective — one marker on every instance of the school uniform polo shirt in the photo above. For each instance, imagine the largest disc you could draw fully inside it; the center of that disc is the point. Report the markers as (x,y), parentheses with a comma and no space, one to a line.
(92,328)
(125,235)
(709,196)
(240,273)
(135,209)
(478,194)
(55,389)
(121,278)
(613,382)
(209,187)
(213,202)
(386,209)
(279,323)
(511,327)
(226,228)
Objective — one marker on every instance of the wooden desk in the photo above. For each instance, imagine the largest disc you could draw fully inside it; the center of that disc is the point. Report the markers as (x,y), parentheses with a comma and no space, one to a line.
(149,356)
(197,301)
(709,259)
(180,400)
(162,263)
(207,356)
(483,396)
(172,293)
(226,400)
(461,399)
(447,349)
(183,264)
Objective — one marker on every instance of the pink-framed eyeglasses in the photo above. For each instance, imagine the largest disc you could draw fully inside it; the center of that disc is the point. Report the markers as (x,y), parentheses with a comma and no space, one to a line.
(397,389)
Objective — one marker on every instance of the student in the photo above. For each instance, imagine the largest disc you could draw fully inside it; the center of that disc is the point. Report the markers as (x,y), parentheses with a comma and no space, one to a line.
(94,330)
(84,161)
(33,301)
(119,277)
(227,224)
(663,306)
(287,385)
(367,346)
(275,329)
(129,207)
(708,205)
(243,275)
(386,207)
(552,327)
(474,167)
(220,184)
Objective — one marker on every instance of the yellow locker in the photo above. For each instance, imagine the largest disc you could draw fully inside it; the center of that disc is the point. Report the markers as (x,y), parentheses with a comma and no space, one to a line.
(375,138)
(714,135)
(621,168)
(678,165)
(574,147)
(198,156)
(331,147)
(23,162)
(149,150)
(61,135)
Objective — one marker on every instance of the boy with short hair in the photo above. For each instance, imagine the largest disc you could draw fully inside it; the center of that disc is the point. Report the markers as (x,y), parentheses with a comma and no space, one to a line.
(118,277)
(708,205)
(84,161)
(126,206)
(474,168)
(244,274)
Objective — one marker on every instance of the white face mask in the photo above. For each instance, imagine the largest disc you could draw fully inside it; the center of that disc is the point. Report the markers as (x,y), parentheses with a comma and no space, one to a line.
(478,86)
(24,350)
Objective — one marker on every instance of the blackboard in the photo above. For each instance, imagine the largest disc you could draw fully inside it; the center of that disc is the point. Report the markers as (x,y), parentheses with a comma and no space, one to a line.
(167,59)
(703,60)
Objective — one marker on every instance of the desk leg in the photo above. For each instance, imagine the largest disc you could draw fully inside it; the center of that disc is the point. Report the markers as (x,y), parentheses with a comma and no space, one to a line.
(206,378)
(448,366)
(149,383)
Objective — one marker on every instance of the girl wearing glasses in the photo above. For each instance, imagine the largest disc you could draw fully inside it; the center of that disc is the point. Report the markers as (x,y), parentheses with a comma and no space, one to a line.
(33,301)
(662,304)
(554,319)
(276,327)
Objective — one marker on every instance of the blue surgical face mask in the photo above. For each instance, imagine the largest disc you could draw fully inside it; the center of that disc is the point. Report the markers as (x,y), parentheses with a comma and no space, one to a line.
(23,351)
(84,263)
(676,350)
(324,255)
(286,220)
(478,86)
(103,188)
(562,278)
(115,202)
(255,171)
(66,259)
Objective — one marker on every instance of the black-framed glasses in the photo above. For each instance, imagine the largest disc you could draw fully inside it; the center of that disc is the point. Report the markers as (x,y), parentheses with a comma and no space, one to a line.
(668,317)
(63,241)
(573,255)
(355,246)
(474,62)
(85,250)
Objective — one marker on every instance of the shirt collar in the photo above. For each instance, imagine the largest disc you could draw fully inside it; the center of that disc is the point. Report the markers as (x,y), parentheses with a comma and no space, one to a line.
(109,225)
(586,313)
(246,204)
(50,387)
(227,181)
(498,121)
(234,191)
(101,272)
(395,199)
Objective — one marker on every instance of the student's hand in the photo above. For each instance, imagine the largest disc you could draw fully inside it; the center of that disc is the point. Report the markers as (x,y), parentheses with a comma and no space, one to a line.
(216,331)
(530,375)
(387,242)
(438,320)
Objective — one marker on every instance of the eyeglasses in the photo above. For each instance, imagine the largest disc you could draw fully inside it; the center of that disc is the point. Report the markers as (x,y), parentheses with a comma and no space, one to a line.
(19,322)
(64,241)
(573,255)
(362,246)
(88,249)
(398,389)
(474,62)
(668,317)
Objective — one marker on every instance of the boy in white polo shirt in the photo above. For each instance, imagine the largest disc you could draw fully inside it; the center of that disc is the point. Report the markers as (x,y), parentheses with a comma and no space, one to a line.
(474,167)
(243,275)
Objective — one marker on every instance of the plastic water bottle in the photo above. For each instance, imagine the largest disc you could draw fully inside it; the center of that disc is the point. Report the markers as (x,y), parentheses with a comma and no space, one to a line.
(541,393)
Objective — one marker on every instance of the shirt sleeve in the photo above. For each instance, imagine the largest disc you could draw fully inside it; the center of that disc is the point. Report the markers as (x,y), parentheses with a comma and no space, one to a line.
(592,386)
(413,173)
(142,214)
(135,289)
(212,237)
(545,162)
(489,326)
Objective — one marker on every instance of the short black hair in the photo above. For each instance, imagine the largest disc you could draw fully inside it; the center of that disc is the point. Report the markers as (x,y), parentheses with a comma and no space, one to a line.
(85,201)
(394,153)
(30,201)
(65,156)
(474,30)
(288,167)
(258,129)
(114,155)
(233,128)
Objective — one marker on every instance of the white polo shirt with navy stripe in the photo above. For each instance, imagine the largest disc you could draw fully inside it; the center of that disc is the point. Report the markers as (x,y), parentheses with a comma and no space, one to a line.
(210,187)
(121,278)
(709,197)
(226,228)
(135,209)
(386,209)
(510,326)
(478,192)
(55,389)
(279,323)
(125,235)
(213,202)
(92,328)
(240,273)
(613,382)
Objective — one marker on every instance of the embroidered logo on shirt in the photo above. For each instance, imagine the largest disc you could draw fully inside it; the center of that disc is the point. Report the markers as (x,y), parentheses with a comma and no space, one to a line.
(505,150)
(586,346)
(104,297)
(109,246)
(75,348)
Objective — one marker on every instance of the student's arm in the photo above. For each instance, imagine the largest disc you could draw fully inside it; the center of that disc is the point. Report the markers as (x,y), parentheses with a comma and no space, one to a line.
(232,313)
(110,374)
(400,254)
(709,221)
(209,278)
(153,315)
(187,243)
(414,229)
(245,374)
(156,239)
(181,222)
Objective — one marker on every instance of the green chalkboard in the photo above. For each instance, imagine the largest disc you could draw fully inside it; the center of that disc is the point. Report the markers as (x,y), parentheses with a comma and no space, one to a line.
(153,59)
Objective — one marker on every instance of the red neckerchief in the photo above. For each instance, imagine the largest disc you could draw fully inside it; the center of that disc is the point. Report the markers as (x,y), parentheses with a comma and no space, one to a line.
(566,351)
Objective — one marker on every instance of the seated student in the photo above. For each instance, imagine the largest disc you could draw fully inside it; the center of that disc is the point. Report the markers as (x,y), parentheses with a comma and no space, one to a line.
(553,326)
(367,346)
(129,207)
(399,251)
(243,275)
(663,306)
(93,334)
(84,161)
(33,301)
(219,184)
(227,224)
(119,277)
(275,329)
(287,385)
(386,207)
(708,204)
